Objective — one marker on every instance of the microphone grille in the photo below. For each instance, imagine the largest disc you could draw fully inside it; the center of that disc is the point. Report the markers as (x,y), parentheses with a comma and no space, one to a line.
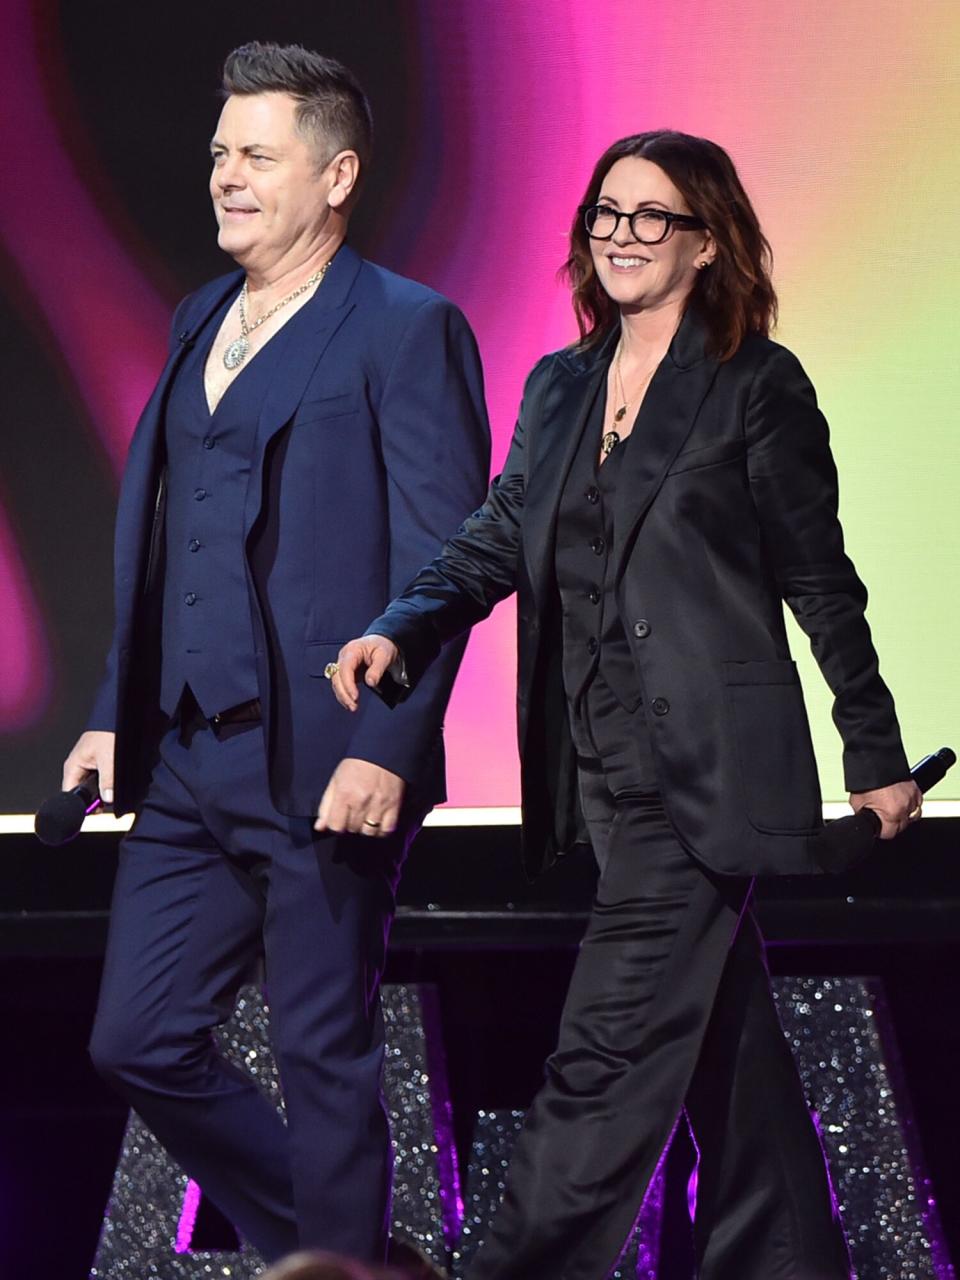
(60,818)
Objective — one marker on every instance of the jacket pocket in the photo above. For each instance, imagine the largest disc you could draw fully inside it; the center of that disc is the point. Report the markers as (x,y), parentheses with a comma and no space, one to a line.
(325,407)
(709,455)
(319,653)
(778,770)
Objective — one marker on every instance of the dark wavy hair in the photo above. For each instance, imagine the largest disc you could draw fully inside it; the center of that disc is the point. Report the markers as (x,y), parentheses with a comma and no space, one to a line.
(734,296)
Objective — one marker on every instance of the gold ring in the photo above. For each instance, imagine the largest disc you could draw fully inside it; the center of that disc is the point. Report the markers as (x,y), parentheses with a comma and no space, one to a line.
(916,813)
(331,669)
(368,823)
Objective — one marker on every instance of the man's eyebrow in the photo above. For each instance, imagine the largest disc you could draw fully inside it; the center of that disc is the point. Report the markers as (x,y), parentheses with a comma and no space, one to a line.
(216,145)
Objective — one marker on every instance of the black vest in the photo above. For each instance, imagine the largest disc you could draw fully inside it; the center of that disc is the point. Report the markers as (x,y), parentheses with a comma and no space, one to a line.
(208,640)
(600,677)
(593,635)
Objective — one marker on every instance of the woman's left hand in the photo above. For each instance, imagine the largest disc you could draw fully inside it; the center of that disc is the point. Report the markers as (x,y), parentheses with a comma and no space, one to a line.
(896,806)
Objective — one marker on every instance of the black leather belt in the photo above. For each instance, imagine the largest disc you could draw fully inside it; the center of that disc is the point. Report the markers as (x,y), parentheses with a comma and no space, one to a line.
(242,713)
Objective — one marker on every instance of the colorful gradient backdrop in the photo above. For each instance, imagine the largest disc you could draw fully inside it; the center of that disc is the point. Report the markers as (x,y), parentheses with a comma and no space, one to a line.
(843,118)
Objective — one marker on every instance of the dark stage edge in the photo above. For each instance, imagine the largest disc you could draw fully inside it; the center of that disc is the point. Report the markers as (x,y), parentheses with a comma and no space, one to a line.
(462,887)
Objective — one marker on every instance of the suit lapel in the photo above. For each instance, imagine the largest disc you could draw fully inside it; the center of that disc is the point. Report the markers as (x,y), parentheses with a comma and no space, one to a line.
(327,310)
(146,439)
(665,420)
(302,352)
(560,426)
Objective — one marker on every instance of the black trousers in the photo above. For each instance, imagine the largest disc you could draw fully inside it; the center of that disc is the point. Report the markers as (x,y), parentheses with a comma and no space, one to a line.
(669,1011)
(209,874)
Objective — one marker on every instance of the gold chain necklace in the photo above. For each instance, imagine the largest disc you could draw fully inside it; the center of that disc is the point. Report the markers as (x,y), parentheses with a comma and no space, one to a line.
(612,438)
(238,350)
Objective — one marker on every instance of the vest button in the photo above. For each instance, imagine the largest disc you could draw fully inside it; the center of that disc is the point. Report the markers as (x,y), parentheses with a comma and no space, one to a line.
(190,598)
(592,494)
(199,494)
(592,645)
(641,629)
(593,595)
(660,706)
(208,442)
(194,544)
(597,546)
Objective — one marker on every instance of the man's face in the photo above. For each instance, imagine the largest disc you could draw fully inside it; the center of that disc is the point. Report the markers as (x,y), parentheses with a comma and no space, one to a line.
(269,191)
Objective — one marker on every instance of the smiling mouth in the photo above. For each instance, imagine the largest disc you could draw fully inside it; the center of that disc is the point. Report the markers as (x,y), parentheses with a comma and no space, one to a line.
(230,212)
(623,263)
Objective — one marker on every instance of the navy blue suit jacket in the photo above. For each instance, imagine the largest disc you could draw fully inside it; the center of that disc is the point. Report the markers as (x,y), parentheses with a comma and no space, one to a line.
(371,445)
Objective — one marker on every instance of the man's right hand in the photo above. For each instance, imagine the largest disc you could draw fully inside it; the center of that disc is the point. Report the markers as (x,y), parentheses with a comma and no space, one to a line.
(92,753)
(376,653)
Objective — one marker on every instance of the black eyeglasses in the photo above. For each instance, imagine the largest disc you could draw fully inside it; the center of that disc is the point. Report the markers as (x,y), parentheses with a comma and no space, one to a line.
(649,226)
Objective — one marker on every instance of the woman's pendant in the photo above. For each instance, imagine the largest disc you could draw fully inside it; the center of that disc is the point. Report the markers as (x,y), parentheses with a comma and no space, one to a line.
(236,353)
(619,415)
(609,442)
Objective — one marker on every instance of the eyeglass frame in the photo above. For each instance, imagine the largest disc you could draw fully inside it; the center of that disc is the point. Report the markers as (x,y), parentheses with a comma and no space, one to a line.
(684,221)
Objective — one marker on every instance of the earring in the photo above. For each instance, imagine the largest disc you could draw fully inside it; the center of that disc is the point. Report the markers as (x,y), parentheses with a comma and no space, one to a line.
(704,263)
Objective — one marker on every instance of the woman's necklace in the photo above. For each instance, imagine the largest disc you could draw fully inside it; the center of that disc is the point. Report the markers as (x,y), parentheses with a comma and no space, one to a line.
(238,350)
(611,438)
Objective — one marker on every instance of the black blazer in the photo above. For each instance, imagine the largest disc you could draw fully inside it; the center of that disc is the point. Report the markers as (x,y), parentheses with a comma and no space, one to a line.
(726,505)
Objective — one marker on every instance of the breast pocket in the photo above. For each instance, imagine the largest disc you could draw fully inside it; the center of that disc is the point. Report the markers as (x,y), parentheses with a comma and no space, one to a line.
(710,455)
(324,408)
(772,740)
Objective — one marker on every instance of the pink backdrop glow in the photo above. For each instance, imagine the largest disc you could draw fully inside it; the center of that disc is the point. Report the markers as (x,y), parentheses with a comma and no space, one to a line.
(834,114)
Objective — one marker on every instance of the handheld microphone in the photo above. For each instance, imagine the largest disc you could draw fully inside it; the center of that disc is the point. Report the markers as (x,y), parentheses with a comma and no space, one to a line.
(60,818)
(847,841)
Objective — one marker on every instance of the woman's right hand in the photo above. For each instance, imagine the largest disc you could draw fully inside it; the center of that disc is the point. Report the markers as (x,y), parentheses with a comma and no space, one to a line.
(375,653)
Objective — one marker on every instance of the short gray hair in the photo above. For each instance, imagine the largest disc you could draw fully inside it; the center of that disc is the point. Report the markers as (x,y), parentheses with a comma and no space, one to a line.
(331,105)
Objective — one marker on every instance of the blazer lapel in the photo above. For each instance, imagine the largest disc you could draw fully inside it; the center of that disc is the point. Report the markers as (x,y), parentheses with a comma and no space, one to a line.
(665,420)
(146,439)
(328,308)
(561,422)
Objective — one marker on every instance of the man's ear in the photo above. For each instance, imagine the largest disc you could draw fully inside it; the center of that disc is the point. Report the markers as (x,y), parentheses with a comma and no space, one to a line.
(345,170)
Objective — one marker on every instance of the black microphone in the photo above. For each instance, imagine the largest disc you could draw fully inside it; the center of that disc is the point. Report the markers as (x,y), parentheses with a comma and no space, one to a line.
(847,841)
(60,818)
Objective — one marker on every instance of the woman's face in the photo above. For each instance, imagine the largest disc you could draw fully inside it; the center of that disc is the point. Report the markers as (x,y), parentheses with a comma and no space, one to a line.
(640,277)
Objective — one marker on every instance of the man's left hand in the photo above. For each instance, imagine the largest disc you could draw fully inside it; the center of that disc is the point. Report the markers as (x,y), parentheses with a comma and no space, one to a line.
(361,797)
(896,806)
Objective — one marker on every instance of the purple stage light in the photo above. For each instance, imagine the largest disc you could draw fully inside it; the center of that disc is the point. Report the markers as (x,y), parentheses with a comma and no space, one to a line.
(188,1217)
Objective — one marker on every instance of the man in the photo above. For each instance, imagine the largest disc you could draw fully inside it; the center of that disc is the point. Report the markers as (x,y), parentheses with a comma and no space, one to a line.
(311,402)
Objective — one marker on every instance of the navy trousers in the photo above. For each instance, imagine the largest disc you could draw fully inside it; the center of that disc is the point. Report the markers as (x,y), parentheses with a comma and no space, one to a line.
(669,1012)
(209,874)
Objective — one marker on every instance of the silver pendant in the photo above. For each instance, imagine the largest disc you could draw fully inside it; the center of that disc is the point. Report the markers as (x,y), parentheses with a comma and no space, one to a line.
(236,353)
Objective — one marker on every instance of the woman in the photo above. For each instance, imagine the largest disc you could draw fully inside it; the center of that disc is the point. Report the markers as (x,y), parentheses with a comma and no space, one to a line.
(669,483)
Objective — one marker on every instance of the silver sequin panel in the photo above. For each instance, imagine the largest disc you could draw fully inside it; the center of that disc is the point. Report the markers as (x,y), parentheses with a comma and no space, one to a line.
(147,1218)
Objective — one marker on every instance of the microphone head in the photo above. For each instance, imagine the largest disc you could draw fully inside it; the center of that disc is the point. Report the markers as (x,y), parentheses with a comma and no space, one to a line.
(933,767)
(846,841)
(60,818)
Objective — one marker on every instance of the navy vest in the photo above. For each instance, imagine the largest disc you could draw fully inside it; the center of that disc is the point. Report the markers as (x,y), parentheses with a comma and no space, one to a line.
(208,639)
